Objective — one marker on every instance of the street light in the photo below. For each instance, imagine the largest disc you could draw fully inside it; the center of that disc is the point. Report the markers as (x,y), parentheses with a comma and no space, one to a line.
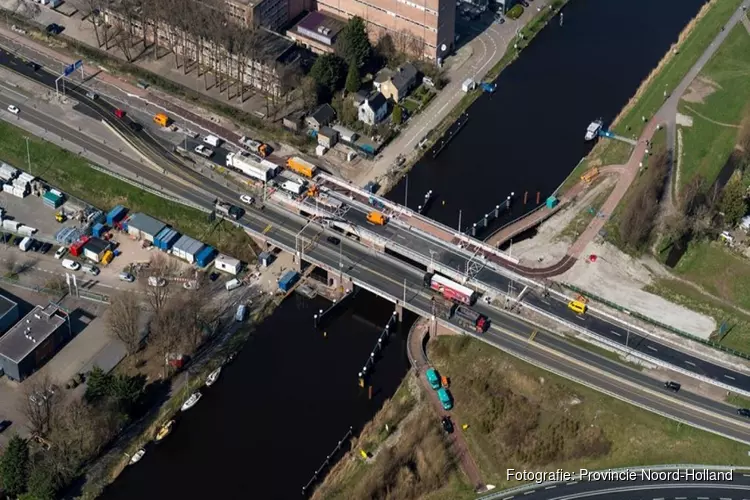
(432,257)
(28,152)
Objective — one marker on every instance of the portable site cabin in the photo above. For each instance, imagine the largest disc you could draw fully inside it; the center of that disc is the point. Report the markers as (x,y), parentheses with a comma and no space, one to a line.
(227,264)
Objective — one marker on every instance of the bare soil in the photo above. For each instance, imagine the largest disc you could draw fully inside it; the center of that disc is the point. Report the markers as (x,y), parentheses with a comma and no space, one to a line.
(700,89)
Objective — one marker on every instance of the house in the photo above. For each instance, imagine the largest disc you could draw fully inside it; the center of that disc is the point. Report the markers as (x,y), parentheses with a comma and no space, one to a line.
(321,117)
(327,137)
(381,77)
(359,97)
(401,81)
(294,121)
(373,109)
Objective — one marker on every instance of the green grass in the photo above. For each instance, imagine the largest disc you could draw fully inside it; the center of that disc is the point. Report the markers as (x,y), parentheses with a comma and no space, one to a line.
(738,401)
(410,106)
(523,417)
(515,12)
(71,174)
(708,145)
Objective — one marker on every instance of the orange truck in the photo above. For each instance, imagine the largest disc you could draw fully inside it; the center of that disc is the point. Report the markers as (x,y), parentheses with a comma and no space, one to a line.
(162,119)
(300,166)
(376,218)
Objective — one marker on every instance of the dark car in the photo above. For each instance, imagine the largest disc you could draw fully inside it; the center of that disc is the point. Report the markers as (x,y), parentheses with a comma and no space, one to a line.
(46,247)
(213,276)
(4,424)
(743,412)
(524,3)
(447,425)
(36,246)
(33,65)
(672,386)
(136,127)
(54,29)
(333,240)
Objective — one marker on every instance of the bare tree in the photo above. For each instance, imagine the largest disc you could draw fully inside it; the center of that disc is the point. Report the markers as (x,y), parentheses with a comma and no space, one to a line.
(40,400)
(123,320)
(156,288)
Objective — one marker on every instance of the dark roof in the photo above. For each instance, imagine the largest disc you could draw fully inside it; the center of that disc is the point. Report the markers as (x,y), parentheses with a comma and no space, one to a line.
(359,96)
(321,27)
(96,245)
(383,75)
(30,332)
(6,305)
(376,100)
(324,114)
(403,75)
(271,47)
(327,132)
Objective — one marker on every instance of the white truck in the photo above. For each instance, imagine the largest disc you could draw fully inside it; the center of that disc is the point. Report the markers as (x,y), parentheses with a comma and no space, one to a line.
(295,188)
(212,140)
(263,171)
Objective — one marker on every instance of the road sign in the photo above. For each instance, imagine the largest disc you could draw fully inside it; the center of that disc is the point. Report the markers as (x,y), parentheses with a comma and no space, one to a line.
(72,67)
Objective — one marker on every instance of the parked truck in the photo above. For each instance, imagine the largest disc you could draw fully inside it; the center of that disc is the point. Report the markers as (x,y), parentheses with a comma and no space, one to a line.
(301,166)
(229,210)
(256,147)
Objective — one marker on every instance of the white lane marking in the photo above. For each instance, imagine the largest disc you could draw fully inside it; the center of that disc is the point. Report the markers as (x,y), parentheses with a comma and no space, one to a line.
(689,363)
(724,498)
(660,498)
(572,482)
(653,348)
(746,475)
(702,498)
(616,333)
(729,377)
(680,498)
(508,498)
(580,317)
(550,487)
(528,493)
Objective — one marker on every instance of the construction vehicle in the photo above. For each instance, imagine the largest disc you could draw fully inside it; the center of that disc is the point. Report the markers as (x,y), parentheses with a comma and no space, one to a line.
(229,210)
(256,147)
(301,166)
(162,119)
(376,218)
(463,315)
(590,175)
(60,217)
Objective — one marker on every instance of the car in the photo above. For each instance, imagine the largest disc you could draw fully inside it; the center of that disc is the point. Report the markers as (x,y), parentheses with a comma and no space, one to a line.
(92,95)
(213,276)
(135,126)
(156,281)
(247,199)
(33,65)
(119,113)
(46,247)
(71,264)
(743,412)
(36,246)
(524,3)
(60,252)
(13,109)
(672,386)
(190,285)
(54,29)
(333,240)
(447,425)
(91,269)
(125,276)
(204,151)
(4,424)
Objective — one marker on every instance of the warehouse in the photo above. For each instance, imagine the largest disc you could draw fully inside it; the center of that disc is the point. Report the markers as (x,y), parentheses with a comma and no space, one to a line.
(33,341)
(8,314)
(144,227)
(95,248)
(187,248)
(227,264)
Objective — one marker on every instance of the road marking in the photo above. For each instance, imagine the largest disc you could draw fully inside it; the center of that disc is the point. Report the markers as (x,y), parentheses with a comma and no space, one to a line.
(268,228)
(572,482)
(702,498)
(724,498)
(616,333)
(660,498)
(508,498)
(729,377)
(689,363)
(550,487)
(746,475)
(528,493)
(653,348)
(533,334)
(680,498)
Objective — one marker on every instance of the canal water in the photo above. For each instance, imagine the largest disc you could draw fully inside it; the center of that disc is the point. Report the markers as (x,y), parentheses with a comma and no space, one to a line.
(528,135)
(278,410)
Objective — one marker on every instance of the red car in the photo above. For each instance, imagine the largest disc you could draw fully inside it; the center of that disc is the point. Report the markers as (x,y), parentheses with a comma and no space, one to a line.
(119,113)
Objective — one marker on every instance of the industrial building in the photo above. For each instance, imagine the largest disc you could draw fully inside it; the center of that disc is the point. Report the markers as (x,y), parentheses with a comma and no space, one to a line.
(8,313)
(143,226)
(95,248)
(318,32)
(33,341)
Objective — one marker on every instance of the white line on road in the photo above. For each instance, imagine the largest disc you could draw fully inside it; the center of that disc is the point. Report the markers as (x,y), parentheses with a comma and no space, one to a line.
(746,475)
(616,333)
(680,498)
(508,498)
(528,493)
(572,482)
(703,498)
(689,363)
(550,487)
(653,348)
(729,377)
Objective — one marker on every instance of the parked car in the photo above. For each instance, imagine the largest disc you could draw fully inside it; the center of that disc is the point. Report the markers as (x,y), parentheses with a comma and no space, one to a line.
(71,264)
(743,412)
(247,199)
(13,109)
(447,425)
(204,151)
(125,276)
(4,425)
(672,386)
(60,252)
(54,29)
(91,269)
(135,126)
(333,240)
(46,247)
(213,276)
(92,95)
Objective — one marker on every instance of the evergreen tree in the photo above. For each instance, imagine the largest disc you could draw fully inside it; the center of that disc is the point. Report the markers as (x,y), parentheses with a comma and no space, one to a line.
(353,44)
(733,204)
(14,466)
(352,79)
(397,116)
(329,72)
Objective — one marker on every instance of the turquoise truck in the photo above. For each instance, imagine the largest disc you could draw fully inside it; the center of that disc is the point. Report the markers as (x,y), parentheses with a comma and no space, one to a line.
(445,398)
(433,378)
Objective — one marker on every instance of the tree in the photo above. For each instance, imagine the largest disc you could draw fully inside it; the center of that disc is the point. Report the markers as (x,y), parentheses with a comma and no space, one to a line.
(38,404)
(385,48)
(123,320)
(126,392)
(353,80)
(397,115)
(310,91)
(98,385)
(329,72)
(42,485)
(353,44)
(733,204)
(14,466)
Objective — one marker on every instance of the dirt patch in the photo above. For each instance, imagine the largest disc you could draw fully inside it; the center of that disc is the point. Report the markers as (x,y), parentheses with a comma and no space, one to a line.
(684,120)
(700,89)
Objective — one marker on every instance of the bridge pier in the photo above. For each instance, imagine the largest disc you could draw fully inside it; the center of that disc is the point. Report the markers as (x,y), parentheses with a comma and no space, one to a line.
(399,312)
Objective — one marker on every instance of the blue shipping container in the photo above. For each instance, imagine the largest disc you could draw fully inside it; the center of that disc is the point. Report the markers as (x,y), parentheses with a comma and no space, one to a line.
(205,256)
(288,280)
(116,215)
(166,238)
(99,229)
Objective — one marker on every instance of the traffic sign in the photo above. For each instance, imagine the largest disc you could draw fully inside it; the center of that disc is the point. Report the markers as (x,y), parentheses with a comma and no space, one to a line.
(72,67)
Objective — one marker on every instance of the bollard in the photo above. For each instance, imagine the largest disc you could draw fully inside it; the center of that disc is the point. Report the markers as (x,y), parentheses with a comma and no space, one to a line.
(538,197)
(485,220)
(497,211)
(474,229)
(525,197)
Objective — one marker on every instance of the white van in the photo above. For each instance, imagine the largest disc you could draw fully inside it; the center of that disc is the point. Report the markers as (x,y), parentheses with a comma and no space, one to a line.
(60,252)
(25,244)
(212,140)
(240,314)
(232,284)
(71,264)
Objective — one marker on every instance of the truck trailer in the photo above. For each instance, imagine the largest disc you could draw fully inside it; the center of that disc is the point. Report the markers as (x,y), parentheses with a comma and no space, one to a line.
(302,167)
(463,315)
(450,289)
(229,210)
(263,172)
(296,188)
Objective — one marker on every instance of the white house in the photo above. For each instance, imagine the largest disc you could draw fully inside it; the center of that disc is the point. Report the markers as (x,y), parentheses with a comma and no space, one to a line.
(373,109)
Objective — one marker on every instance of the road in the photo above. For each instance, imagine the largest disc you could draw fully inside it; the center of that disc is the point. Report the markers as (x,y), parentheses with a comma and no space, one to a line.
(738,488)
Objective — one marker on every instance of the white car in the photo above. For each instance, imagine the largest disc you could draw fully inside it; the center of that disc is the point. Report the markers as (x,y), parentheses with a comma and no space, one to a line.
(204,151)
(71,264)
(247,199)
(155,281)
(13,109)
(60,252)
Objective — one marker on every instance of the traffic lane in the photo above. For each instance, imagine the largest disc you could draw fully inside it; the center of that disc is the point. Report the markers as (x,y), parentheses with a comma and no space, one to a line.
(643,344)
(642,489)
(220,154)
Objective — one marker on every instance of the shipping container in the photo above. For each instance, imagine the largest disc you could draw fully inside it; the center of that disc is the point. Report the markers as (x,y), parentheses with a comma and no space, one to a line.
(301,166)
(187,248)
(116,214)
(227,264)
(261,170)
(450,289)
(166,238)
(98,230)
(287,281)
(26,230)
(76,249)
(25,178)
(11,225)
(52,200)
(7,172)
(205,256)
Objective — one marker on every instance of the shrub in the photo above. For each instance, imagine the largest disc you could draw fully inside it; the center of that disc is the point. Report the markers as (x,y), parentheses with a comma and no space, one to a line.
(515,12)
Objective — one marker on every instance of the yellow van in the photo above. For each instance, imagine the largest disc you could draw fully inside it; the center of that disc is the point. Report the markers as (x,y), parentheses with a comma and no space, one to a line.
(577,307)
(376,218)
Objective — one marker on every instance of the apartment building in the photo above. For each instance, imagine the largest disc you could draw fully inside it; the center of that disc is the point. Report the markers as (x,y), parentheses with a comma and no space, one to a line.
(270,14)
(422,27)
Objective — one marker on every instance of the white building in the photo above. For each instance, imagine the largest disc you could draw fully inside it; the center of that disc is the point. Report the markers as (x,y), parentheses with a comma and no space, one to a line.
(373,109)
(227,264)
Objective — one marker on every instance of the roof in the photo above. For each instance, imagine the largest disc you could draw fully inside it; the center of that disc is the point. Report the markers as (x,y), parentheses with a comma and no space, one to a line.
(359,96)
(383,75)
(320,27)
(146,224)
(30,332)
(188,245)
(327,132)
(403,75)
(96,245)
(376,101)
(324,114)
(231,261)
(6,305)
(270,46)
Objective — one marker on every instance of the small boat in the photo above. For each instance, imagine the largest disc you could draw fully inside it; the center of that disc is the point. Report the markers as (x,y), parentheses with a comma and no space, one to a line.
(165,430)
(213,377)
(593,129)
(191,401)
(137,456)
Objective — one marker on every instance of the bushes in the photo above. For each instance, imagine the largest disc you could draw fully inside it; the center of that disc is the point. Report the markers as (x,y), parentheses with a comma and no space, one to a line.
(515,12)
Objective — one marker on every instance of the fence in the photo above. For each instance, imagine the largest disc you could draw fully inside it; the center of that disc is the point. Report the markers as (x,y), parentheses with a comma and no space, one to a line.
(654,322)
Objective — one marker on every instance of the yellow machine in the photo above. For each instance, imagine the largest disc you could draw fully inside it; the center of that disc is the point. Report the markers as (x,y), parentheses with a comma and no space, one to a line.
(590,175)
(60,217)
(162,119)
(577,306)
(376,218)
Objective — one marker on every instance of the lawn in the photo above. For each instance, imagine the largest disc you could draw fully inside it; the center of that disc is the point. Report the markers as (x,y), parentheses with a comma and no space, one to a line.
(710,140)
(523,417)
(71,174)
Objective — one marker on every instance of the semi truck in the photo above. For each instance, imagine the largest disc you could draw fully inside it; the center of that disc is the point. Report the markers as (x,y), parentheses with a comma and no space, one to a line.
(229,210)
(253,146)
(301,166)
(450,289)
(263,172)
(463,315)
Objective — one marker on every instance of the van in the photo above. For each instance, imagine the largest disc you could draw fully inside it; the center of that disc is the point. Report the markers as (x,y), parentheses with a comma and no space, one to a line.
(240,315)
(376,218)
(71,264)
(232,284)
(91,269)
(26,244)
(577,306)
(433,378)
(212,140)
(161,119)
(445,398)
(60,252)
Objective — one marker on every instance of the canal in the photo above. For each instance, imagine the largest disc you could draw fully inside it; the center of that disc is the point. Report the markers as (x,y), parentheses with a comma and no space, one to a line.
(278,410)
(528,135)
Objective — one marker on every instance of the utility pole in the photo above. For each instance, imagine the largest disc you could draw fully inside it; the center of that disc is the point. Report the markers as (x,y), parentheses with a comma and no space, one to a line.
(28,152)
(406,192)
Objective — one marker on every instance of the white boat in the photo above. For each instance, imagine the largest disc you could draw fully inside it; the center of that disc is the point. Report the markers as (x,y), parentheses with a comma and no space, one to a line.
(137,456)
(213,377)
(593,130)
(191,401)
